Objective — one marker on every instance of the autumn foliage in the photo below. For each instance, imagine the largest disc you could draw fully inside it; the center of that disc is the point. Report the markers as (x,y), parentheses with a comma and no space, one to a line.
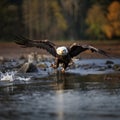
(113,18)
(102,24)
(60,19)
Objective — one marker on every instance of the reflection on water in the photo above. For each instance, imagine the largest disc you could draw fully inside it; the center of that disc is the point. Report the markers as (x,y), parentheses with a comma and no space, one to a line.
(62,97)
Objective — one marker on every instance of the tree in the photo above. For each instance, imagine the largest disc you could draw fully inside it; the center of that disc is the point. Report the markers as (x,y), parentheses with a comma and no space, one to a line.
(112,29)
(9,19)
(43,18)
(95,20)
(56,19)
(31,17)
(75,13)
(58,23)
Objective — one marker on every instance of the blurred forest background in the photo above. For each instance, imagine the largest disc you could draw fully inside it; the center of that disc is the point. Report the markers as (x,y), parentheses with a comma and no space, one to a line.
(60,19)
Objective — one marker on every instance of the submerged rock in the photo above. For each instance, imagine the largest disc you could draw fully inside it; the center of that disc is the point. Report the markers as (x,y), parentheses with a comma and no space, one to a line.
(34,63)
(27,68)
(3,60)
(42,66)
(116,67)
(109,62)
(44,58)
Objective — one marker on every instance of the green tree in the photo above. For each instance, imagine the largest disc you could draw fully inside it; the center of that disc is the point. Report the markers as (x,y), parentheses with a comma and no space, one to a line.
(43,18)
(58,24)
(95,20)
(30,11)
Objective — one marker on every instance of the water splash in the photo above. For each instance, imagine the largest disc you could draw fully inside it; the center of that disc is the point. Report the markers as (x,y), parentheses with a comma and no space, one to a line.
(8,76)
(11,76)
(23,78)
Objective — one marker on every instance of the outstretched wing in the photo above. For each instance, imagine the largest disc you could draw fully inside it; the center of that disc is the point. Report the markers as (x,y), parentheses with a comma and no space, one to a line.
(76,49)
(44,44)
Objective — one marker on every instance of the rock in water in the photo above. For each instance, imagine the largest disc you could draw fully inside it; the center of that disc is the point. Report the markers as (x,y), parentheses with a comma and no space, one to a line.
(109,62)
(27,68)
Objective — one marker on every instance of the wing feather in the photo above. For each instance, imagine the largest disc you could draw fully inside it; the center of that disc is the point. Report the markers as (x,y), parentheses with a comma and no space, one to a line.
(43,44)
(76,49)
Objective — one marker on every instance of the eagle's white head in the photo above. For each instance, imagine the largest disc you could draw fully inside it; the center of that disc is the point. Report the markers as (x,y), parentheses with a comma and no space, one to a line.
(62,50)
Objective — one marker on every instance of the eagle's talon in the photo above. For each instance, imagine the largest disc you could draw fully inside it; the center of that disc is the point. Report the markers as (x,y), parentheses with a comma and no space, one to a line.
(53,66)
(63,70)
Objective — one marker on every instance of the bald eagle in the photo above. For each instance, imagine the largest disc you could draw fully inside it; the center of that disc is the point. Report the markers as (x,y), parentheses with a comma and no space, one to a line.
(62,54)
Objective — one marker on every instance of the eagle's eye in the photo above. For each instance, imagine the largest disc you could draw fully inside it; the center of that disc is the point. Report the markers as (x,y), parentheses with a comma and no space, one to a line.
(64,51)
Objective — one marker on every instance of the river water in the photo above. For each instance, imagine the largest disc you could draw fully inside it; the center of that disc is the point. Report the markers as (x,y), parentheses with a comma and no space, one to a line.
(57,96)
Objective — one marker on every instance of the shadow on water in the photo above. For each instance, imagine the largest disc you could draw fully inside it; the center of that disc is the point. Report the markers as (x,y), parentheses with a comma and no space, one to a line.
(63,96)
